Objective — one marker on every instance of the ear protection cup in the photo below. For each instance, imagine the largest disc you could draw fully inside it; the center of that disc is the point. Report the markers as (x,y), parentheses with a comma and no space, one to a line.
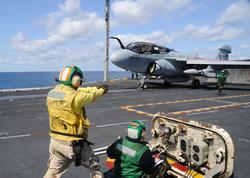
(77,72)
(76,81)
(135,129)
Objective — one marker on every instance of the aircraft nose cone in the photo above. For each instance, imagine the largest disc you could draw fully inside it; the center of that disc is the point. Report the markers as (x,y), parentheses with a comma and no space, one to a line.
(119,58)
(113,58)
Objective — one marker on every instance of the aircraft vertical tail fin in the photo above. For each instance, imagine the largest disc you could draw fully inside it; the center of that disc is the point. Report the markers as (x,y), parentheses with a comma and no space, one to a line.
(223,52)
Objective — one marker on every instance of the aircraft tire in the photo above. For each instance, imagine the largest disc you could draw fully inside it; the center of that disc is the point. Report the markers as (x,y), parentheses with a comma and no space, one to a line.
(167,84)
(196,83)
(140,87)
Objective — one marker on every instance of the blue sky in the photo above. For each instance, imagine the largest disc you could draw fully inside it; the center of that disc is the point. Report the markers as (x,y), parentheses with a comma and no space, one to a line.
(45,35)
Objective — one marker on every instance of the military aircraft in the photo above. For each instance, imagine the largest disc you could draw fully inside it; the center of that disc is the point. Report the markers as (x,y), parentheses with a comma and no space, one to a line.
(154,60)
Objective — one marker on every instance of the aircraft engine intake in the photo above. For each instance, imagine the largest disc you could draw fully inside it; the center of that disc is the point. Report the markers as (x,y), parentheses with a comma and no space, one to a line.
(151,68)
(162,68)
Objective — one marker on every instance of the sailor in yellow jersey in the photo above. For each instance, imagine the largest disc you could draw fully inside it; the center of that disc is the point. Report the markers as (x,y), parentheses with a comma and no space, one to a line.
(69,124)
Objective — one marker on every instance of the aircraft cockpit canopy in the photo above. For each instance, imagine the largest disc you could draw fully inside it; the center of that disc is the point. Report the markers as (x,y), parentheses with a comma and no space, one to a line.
(147,48)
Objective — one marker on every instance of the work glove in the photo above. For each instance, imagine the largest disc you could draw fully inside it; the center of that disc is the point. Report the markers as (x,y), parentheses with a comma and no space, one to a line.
(105,87)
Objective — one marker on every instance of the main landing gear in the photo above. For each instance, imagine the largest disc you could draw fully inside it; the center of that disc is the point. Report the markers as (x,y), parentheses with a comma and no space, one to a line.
(196,83)
(167,83)
(144,79)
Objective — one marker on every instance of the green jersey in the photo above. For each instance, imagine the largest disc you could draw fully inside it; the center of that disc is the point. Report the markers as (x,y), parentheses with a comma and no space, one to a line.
(221,78)
(128,155)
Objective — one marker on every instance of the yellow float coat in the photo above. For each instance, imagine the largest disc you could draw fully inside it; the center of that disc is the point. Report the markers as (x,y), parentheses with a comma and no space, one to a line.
(67,113)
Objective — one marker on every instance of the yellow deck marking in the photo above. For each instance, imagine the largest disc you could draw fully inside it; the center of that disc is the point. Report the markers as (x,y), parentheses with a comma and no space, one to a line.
(129,107)
(191,173)
(208,108)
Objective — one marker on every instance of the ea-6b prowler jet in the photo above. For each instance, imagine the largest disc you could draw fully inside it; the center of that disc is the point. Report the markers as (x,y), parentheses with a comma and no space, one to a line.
(159,61)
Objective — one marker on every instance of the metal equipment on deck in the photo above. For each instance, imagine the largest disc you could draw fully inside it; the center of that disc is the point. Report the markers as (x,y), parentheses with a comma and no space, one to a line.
(191,148)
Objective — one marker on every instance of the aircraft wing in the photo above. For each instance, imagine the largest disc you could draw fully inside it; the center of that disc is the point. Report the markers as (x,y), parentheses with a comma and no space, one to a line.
(229,64)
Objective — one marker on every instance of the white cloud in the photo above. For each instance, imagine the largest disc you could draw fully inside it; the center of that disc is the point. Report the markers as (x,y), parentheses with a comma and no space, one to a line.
(68,24)
(93,53)
(70,39)
(4,60)
(239,11)
(222,30)
(212,33)
(20,42)
(241,52)
(158,37)
(244,46)
(63,55)
(69,28)
(71,6)
(143,11)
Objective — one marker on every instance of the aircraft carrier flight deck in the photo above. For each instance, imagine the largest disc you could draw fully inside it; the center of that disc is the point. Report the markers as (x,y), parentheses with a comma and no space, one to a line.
(24,121)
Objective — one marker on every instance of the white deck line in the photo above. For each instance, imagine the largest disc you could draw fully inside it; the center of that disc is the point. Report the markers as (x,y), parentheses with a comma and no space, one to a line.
(98,126)
(15,136)
(222,101)
(205,112)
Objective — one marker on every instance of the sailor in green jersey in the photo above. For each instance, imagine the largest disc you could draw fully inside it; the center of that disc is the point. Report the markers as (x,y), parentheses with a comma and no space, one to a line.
(133,158)
(221,81)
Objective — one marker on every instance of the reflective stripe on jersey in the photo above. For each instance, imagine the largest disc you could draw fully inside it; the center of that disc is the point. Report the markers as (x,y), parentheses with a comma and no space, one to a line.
(126,150)
(56,95)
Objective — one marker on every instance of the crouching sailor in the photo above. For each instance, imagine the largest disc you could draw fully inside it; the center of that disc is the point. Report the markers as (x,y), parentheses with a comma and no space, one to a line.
(133,158)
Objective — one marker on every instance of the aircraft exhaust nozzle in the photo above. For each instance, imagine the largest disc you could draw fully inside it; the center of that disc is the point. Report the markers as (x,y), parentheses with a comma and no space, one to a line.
(119,41)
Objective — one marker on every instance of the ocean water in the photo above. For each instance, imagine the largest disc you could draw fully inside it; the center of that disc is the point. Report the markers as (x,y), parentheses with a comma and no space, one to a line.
(16,80)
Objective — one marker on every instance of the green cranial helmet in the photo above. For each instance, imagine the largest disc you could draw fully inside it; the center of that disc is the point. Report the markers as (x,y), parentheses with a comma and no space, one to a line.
(67,73)
(135,129)
(223,72)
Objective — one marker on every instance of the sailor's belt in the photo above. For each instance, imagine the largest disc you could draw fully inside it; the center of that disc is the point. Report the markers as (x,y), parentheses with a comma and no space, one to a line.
(68,135)
(63,142)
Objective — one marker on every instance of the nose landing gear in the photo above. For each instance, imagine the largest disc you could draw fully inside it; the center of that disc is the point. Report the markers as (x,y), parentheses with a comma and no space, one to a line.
(142,85)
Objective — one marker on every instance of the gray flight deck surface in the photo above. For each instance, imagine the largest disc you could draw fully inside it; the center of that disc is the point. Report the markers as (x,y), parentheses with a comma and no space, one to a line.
(24,122)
